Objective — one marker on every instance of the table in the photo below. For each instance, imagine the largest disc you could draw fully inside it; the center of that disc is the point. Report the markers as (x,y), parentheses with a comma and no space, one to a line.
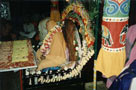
(9,49)
(6,54)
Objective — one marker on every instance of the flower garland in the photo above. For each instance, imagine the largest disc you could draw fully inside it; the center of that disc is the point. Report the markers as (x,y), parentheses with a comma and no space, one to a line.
(45,48)
(76,18)
(86,49)
(80,10)
(86,54)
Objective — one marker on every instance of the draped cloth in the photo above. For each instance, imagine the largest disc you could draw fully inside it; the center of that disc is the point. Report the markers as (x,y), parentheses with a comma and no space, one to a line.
(55,48)
(131,45)
(43,29)
(126,80)
(112,55)
(56,56)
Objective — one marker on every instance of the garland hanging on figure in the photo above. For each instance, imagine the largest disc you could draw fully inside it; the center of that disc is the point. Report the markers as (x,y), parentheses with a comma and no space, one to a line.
(86,49)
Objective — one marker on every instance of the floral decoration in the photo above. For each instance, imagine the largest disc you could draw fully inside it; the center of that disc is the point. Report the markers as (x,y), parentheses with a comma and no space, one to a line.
(78,8)
(86,47)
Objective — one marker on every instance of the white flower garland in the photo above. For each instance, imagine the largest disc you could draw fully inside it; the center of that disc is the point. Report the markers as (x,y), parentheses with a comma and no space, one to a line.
(86,55)
(45,48)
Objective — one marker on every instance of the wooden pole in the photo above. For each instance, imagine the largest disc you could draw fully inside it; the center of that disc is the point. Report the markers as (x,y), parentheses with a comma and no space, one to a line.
(95,47)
